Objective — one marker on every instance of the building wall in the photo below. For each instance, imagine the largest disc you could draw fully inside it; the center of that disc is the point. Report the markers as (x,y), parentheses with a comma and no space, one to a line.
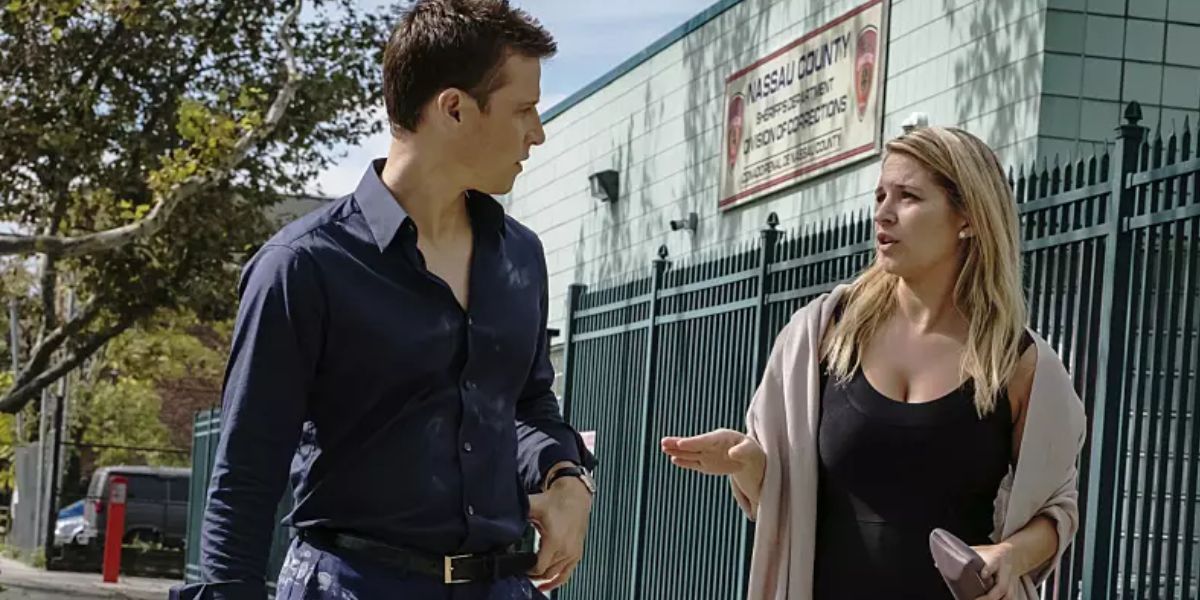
(973,63)
(1102,54)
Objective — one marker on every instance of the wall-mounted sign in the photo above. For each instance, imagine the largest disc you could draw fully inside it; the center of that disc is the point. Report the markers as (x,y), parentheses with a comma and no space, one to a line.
(810,107)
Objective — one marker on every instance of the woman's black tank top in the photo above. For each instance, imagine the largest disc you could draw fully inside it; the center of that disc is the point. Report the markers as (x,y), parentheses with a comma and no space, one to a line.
(890,473)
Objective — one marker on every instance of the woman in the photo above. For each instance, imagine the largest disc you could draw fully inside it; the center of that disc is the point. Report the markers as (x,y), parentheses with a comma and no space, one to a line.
(910,399)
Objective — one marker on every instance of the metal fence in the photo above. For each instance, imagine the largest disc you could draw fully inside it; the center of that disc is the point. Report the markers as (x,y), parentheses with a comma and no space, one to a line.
(1111,247)
(206,432)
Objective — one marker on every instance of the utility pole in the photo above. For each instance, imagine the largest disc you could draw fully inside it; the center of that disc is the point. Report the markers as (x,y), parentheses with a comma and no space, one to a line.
(52,481)
(39,496)
(52,488)
(14,345)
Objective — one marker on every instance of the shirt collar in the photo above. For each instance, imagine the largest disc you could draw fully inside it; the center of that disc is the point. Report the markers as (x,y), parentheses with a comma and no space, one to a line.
(385,215)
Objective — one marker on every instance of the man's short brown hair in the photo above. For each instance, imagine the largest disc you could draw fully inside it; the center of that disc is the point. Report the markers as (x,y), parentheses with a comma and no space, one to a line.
(462,44)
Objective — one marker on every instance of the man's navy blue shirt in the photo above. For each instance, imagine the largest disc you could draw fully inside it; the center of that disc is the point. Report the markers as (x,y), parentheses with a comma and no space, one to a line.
(404,418)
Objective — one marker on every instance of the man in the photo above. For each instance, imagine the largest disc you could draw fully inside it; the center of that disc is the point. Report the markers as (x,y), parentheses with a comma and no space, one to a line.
(392,347)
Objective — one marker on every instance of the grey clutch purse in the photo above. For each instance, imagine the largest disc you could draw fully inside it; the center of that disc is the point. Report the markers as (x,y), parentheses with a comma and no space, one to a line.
(960,566)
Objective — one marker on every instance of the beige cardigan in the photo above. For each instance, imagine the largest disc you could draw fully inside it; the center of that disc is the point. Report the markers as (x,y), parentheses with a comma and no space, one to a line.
(783,418)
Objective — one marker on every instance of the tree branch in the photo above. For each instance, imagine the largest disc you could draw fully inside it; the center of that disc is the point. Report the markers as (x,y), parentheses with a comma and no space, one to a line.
(20,395)
(40,355)
(166,203)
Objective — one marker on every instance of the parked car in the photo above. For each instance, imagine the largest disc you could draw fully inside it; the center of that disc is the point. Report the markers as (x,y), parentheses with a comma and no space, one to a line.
(71,528)
(156,504)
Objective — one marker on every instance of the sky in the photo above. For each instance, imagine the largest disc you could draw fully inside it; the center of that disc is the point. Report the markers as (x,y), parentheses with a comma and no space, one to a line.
(593,37)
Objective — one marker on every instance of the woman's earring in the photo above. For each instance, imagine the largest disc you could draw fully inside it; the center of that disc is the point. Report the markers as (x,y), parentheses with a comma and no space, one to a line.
(962,235)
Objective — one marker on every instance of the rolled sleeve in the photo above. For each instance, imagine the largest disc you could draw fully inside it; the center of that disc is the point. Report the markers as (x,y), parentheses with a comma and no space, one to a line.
(272,363)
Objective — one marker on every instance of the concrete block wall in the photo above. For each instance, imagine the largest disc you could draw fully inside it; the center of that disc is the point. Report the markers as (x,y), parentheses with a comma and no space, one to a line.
(973,63)
(1102,54)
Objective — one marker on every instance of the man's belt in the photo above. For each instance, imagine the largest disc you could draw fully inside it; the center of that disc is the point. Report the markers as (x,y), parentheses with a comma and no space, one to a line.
(462,568)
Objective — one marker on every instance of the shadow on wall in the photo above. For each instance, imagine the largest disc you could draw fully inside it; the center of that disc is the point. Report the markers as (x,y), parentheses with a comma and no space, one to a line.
(615,234)
(986,71)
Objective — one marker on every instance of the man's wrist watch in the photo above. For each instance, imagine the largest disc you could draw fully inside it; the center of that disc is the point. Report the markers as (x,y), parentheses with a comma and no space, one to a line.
(575,471)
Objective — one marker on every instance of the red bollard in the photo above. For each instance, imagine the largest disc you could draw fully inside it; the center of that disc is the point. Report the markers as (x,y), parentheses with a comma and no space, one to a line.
(114,532)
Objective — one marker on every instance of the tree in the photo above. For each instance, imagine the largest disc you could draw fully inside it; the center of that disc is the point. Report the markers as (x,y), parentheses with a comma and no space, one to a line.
(143,141)
(7,442)
(143,391)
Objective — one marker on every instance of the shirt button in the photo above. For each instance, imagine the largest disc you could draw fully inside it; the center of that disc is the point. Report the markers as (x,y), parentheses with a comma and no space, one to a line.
(467,446)
(470,321)
(469,385)
(470,510)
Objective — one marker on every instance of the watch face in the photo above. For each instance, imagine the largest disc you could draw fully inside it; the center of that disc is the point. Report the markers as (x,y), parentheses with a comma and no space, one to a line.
(588,481)
(580,473)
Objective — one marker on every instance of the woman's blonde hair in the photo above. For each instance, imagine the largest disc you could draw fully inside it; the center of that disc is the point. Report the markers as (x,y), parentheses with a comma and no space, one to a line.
(988,290)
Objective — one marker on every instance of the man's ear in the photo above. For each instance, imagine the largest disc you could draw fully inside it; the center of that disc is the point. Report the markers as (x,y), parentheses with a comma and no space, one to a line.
(449,102)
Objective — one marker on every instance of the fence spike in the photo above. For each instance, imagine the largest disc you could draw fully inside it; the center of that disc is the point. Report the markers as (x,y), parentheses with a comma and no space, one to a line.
(1043,179)
(1172,145)
(1186,142)
(1055,176)
(1157,148)
(1022,181)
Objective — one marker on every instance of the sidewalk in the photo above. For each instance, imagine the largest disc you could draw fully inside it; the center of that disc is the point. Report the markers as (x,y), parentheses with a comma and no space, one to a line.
(18,580)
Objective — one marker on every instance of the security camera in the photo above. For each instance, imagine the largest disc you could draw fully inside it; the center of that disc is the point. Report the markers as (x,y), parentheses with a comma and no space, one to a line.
(917,120)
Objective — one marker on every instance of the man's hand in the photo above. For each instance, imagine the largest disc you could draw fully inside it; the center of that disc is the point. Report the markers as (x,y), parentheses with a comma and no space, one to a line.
(560,515)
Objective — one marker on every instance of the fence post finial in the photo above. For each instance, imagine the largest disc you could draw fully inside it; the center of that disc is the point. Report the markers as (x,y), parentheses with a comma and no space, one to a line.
(1133,113)
(662,252)
(773,220)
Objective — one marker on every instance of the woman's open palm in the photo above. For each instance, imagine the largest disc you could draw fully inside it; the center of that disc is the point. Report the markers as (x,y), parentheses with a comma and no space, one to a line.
(718,452)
